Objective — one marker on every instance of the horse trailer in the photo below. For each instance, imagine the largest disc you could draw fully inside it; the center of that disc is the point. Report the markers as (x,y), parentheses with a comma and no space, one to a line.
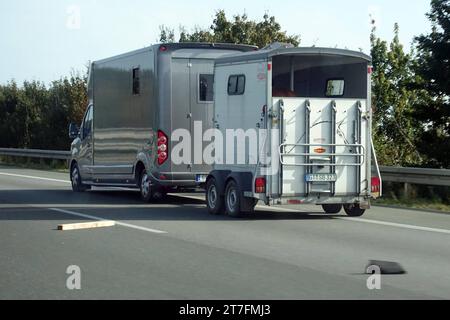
(136,100)
(297,123)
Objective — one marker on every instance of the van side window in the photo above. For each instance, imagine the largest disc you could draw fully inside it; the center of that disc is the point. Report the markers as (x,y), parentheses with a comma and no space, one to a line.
(335,88)
(136,81)
(236,84)
(205,88)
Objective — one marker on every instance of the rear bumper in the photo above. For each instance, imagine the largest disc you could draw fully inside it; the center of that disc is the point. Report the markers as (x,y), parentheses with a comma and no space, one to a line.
(174,179)
(364,201)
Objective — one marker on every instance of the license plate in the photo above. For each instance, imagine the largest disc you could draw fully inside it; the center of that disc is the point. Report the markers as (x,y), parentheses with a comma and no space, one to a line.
(321,177)
(200,178)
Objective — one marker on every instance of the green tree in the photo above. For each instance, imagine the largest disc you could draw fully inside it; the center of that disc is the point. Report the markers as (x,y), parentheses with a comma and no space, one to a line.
(433,73)
(239,30)
(395,130)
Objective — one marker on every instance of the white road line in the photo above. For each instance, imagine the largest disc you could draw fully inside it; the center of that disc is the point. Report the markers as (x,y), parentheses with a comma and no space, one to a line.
(33,177)
(393,224)
(101,219)
(385,223)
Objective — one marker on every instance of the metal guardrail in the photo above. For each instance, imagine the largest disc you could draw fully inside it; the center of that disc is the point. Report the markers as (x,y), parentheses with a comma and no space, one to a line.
(431,177)
(35,153)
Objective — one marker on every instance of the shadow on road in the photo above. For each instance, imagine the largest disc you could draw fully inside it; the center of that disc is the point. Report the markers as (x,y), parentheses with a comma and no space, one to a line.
(122,205)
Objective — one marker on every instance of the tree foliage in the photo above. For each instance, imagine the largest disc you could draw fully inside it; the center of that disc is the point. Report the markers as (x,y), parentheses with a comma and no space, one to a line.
(239,30)
(433,74)
(395,131)
(34,116)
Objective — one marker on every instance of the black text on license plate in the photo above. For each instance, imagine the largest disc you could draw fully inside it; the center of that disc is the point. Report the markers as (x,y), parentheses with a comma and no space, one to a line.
(320,177)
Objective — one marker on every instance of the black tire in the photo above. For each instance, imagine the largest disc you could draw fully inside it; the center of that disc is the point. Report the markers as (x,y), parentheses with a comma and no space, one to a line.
(353,210)
(232,200)
(145,186)
(332,208)
(249,204)
(214,201)
(75,179)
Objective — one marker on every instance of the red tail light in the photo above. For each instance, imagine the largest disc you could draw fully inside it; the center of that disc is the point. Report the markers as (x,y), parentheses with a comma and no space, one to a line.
(163,147)
(260,185)
(376,187)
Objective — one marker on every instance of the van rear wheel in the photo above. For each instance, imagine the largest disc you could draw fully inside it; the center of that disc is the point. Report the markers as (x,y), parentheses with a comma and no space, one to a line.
(332,208)
(145,186)
(214,201)
(353,210)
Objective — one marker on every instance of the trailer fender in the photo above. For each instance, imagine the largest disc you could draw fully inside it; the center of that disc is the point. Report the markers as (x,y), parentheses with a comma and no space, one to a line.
(245,182)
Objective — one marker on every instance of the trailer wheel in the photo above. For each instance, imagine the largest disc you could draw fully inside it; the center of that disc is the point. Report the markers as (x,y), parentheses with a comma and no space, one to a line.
(353,210)
(214,201)
(75,179)
(232,199)
(332,208)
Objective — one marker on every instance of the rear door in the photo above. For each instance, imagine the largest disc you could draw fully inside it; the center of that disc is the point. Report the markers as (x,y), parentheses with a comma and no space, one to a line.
(322,149)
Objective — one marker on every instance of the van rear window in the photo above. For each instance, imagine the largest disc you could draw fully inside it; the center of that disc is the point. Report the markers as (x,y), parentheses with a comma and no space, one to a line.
(236,84)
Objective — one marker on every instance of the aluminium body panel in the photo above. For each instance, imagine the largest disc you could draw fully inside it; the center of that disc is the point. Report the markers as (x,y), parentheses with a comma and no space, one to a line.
(126,123)
(124,120)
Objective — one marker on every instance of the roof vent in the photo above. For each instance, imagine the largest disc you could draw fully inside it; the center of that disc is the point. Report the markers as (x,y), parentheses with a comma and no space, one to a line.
(278,45)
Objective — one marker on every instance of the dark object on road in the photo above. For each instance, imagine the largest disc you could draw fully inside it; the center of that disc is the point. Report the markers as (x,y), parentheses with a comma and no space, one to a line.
(386,267)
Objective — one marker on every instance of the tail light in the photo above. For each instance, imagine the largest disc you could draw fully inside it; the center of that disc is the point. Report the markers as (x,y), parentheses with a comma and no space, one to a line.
(163,147)
(376,187)
(260,185)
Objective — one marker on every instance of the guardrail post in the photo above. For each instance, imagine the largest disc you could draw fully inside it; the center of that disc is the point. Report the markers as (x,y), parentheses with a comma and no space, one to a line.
(406,190)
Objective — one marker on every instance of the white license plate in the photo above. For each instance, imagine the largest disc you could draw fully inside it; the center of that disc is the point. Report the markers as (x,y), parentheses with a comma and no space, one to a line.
(200,178)
(321,177)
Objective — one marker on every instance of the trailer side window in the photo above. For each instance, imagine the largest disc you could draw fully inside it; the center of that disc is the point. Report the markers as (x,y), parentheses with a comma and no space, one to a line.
(136,81)
(335,88)
(236,84)
(205,87)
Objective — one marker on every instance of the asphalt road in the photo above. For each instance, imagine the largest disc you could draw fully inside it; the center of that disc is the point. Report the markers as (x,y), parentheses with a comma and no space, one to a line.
(176,250)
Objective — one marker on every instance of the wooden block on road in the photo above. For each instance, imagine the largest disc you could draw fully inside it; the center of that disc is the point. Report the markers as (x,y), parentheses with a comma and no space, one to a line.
(86,225)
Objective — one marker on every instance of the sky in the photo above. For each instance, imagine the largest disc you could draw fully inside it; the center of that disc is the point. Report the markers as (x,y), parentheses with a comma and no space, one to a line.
(47,39)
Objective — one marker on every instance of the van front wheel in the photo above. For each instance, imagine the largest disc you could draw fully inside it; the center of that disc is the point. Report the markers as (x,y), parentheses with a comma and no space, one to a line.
(353,210)
(75,179)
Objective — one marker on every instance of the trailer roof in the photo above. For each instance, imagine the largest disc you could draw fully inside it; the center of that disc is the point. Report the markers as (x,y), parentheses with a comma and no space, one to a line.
(271,52)
(182,45)
(208,45)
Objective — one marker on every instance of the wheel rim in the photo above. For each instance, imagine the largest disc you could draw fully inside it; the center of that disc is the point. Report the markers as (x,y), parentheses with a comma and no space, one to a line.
(212,196)
(145,185)
(232,199)
(75,177)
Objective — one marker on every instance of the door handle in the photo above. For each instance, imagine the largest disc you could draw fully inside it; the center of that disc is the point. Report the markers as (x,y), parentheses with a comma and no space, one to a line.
(189,115)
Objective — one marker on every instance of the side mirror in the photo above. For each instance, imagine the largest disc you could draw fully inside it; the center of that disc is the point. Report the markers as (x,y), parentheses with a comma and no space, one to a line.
(74,131)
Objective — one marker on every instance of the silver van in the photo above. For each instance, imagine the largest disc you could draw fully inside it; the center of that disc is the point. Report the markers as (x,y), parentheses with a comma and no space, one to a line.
(136,100)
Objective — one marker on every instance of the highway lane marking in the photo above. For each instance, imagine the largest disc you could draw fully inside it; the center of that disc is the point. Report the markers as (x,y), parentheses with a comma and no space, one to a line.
(379,222)
(132,226)
(394,224)
(33,177)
